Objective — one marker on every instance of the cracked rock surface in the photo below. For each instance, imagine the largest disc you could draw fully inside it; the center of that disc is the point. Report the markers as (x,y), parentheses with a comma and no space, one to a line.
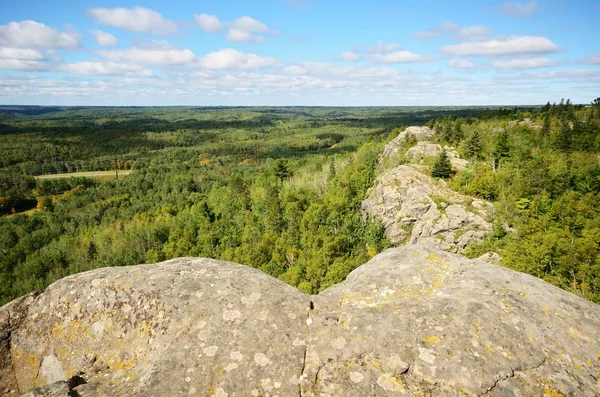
(412,321)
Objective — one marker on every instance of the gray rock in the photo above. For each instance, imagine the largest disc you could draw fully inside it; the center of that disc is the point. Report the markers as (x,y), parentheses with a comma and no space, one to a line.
(409,204)
(423,149)
(490,257)
(392,148)
(412,321)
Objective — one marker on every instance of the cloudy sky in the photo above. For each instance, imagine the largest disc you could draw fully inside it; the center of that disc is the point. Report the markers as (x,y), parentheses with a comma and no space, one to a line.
(298,52)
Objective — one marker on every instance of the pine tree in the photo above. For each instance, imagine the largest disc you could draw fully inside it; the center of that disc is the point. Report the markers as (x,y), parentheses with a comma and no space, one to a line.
(564,140)
(546,124)
(474,145)
(501,148)
(442,167)
(458,133)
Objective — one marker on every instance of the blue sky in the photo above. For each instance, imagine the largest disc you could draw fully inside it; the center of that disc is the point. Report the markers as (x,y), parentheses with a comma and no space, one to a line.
(299,52)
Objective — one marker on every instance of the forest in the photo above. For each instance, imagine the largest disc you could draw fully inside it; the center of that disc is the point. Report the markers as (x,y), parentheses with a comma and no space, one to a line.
(280,188)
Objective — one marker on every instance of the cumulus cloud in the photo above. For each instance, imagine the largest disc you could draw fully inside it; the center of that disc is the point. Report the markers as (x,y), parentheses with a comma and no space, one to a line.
(524,63)
(23,65)
(209,23)
(381,48)
(513,45)
(592,60)
(459,63)
(463,33)
(349,56)
(474,32)
(31,34)
(242,30)
(330,69)
(231,59)
(515,9)
(138,20)
(563,74)
(22,54)
(150,57)
(246,29)
(105,69)
(400,57)
(437,31)
(104,39)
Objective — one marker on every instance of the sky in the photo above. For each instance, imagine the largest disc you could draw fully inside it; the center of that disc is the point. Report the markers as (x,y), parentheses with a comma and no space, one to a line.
(298,52)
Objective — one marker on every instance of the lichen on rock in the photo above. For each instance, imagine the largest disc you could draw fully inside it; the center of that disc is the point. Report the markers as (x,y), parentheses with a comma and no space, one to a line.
(412,321)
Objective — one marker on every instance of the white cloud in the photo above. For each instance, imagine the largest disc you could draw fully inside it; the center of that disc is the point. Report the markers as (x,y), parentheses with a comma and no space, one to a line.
(104,39)
(209,23)
(246,29)
(31,34)
(519,10)
(438,31)
(592,60)
(400,57)
(242,30)
(474,32)
(105,69)
(524,63)
(150,57)
(244,37)
(381,48)
(248,24)
(458,63)
(138,19)
(349,56)
(231,59)
(22,54)
(330,69)
(563,74)
(513,45)
(463,33)
(21,65)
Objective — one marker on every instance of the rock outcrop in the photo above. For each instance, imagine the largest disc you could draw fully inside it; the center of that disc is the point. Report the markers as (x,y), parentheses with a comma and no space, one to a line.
(424,149)
(392,148)
(416,209)
(412,321)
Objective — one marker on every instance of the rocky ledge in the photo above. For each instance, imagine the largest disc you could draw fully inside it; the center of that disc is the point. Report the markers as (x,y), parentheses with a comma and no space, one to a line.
(416,209)
(412,321)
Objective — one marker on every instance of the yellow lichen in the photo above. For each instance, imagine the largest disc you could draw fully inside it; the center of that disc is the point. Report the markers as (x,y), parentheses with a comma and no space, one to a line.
(550,392)
(432,340)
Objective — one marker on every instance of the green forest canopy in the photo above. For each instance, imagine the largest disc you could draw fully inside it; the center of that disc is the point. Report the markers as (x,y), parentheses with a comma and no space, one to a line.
(279,188)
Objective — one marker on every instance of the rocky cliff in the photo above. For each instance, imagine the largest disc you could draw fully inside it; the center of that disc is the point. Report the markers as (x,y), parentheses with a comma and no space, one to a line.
(412,321)
(417,209)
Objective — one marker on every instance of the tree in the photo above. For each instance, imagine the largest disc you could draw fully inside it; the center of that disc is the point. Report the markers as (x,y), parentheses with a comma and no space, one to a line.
(474,145)
(280,169)
(564,140)
(501,147)
(442,167)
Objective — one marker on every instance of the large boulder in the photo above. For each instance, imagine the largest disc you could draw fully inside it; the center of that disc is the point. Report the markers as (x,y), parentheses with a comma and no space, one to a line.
(416,209)
(412,321)
(392,148)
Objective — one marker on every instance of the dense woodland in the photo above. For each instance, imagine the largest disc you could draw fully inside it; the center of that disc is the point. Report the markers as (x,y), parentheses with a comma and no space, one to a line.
(279,188)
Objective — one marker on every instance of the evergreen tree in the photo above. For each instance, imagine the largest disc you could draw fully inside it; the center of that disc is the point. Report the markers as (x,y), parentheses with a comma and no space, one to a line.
(563,140)
(474,145)
(501,147)
(546,124)
(280,169)
(458,133)
(442,167)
